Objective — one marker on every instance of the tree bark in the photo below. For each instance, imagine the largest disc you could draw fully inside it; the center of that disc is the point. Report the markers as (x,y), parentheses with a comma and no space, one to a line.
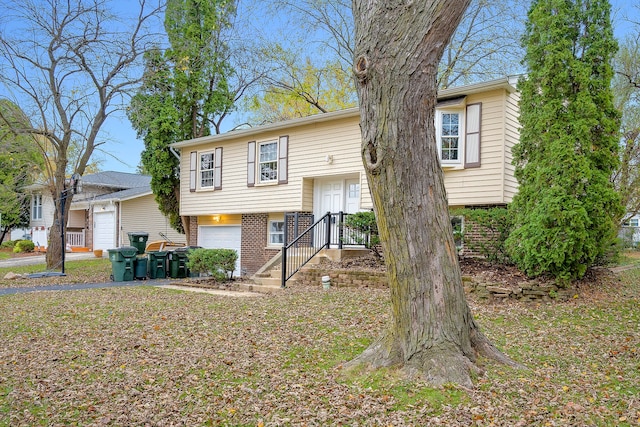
(432,332)
(53,256)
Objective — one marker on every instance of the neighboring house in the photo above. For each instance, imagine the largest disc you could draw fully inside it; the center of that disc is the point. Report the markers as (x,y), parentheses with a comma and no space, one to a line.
(237,187)
(109,206)
(630,232)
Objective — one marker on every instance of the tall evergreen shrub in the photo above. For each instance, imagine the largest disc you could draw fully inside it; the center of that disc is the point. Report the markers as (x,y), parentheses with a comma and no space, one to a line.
(565,208)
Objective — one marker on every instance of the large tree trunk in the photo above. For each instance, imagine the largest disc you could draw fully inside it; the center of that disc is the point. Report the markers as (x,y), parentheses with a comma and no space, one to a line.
(54,248)
(398,48)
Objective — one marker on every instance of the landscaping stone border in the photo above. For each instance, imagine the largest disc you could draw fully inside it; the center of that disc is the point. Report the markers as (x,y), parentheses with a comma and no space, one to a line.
(526,291)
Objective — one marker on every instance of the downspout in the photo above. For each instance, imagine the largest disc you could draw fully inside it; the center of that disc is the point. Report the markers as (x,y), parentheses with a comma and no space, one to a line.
(186,232)
(119,224)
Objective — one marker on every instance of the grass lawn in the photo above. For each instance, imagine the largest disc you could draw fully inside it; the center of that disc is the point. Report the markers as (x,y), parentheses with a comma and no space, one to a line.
(151,356)
(95,270)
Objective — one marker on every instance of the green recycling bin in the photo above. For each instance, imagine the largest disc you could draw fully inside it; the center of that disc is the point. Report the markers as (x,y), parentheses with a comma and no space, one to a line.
(122,260)
(157,264)
(140,270)
(178,263)
(138,239)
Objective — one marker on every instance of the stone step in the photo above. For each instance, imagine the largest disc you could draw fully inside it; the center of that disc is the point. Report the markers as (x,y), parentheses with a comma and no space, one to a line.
(263,274)
(276,274)
(262,288)
(267,281)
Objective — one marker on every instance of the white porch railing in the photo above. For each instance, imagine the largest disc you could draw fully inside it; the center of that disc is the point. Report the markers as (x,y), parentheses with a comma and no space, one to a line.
(75,238)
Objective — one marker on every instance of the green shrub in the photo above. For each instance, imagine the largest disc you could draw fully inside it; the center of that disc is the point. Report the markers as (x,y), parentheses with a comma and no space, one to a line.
(23,246)
(490,229)
(219,263)
(362,228)
(8,244)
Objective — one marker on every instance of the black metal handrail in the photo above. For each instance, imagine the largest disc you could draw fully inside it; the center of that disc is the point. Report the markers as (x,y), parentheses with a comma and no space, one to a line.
(307,245)
(326,232)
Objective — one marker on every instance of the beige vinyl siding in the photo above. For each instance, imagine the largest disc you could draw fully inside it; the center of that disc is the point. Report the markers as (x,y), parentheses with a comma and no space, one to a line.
(309,146)
(483,185)
(307,194)
(48,212)
(311,140)
(142,215)
(366,203)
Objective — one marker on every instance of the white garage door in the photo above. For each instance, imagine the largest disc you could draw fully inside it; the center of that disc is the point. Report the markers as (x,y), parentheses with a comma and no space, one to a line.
(221,237)
(103,230)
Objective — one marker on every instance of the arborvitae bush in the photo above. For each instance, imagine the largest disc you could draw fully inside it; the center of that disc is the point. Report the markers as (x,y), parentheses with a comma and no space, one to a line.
(566,208)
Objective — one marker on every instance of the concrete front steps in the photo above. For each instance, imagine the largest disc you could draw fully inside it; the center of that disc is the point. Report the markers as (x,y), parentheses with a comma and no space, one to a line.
(271,278)
(258,287)
(270,274)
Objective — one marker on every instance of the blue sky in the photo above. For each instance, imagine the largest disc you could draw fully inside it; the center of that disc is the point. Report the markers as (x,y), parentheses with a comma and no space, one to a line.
(122,151)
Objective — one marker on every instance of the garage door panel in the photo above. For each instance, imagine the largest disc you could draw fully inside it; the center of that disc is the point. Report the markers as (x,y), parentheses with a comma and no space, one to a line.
(103,230)
(222,237)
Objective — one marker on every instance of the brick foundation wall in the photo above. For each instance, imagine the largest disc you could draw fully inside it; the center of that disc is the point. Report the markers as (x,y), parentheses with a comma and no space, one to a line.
(88,229)
(254,253)
(475,235)
(192,233)
(304,221)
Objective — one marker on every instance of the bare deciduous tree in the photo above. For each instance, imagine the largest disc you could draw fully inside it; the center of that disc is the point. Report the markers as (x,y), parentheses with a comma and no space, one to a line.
(626,86)
(485,45)
(69,65)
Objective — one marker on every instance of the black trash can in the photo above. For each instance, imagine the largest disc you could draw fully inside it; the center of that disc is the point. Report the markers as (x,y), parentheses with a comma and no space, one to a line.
(157,264)
(178,263)
(138,239)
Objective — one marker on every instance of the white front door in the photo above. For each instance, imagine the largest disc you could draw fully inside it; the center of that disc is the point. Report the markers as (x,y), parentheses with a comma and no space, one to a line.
(352,196)
(337,195)
(331,196)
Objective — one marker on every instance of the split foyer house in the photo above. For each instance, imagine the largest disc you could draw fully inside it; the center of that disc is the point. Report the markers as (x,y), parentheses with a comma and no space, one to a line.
(238,187)
(109,206)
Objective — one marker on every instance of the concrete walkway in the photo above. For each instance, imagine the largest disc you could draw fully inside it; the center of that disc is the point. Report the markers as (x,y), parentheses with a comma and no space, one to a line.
(79,286)
(73,256)
(40,259)
(160,283)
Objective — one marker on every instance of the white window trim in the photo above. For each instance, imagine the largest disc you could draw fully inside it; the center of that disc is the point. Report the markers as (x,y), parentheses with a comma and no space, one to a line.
(259,180)
(461,135)
(211,170)
(36,208)
(270,234)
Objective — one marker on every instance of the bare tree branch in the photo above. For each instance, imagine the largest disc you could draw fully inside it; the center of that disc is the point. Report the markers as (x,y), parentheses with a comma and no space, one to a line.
(69,65)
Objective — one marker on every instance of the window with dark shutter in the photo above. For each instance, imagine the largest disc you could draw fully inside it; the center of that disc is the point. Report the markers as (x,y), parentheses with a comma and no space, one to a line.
(283,165)
(472,140)
(217,169)
(251,164)
(193,166)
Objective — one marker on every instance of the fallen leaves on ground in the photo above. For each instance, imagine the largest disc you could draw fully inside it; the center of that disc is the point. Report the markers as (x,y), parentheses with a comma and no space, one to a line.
(150,356)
